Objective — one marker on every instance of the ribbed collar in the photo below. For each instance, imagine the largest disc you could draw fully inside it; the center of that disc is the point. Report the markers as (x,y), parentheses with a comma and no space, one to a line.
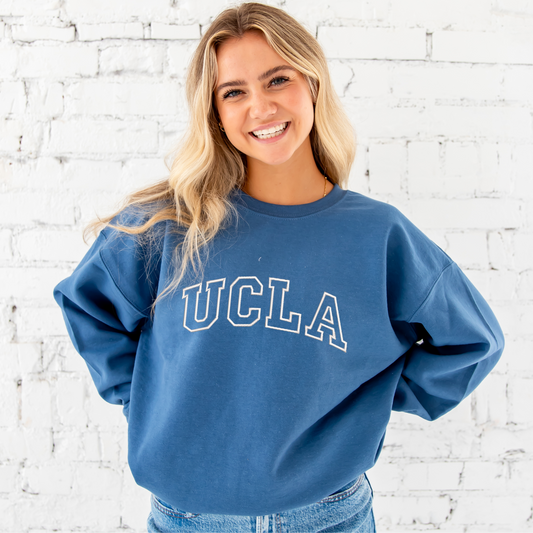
(289,211)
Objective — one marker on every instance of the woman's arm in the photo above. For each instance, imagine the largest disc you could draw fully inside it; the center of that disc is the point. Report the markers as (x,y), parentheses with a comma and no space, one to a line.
(104,321)
(459,342)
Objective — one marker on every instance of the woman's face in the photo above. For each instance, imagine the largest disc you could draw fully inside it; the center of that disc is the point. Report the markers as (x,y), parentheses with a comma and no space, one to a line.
(258,90)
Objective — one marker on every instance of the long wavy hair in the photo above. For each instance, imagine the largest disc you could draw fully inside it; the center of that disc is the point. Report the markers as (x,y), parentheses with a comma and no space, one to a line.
(206,167)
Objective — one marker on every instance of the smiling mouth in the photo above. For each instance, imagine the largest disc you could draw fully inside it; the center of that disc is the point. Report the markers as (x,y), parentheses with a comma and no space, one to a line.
(272,132)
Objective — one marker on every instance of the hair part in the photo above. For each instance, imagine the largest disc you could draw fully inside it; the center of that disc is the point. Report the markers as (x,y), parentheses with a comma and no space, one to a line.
(206,167)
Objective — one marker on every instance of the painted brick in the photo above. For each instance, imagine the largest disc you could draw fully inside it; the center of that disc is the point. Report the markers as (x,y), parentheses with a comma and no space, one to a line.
(461,168)
(501,249)
(424,175)
(387,165)
(68,446)
(138,173)
(7,511)
(525,286)
(36,403)
(8,478)
(41,174)
(95,515)
(517,83)
(385,476)
(83,175)
(47,209)
(476,213)
(91,446)
(372,43)
(15,8)
(473,82)
(504,510)
(12,444)
(503,443)
(174,31)
(53,479)
(116,10)
(9,362)
(435,14)
(495,168)
(358,180)
(136,505)
(515,319)
(112,444)
(103,136)
(10,58)
(9,401)
(29,357)
(483,47)
(6,249)
(489,476)
(12,97)
(341,75)
(503,285)
(57,61)
(369,79)
(493,122)
(93,480)
(490,400)
(433,476)
(380,120)
(132,98)
(114,30)
(200,12)
(408,510)
(469,250)
(70,397)
(11,132)
(45,98)
(516,7)
(351,9)
(30,33)
(35,323)
(46,245)
(128,59)
(179,56)
(521,392)
(434,443)
(92,205)
(101,413)
(523,161)
(520,474)
(518,352)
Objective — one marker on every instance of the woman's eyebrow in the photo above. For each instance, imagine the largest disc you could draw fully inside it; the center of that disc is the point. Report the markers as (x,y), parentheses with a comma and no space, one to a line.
(261,78)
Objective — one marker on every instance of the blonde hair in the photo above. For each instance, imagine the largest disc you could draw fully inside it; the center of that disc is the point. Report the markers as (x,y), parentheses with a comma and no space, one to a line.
(206,167)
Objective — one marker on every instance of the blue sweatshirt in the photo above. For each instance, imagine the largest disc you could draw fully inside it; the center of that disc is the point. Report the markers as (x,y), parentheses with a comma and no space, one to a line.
(267,384)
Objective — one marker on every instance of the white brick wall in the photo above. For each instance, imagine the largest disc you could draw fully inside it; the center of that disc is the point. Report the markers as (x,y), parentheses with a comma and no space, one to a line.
(91,100)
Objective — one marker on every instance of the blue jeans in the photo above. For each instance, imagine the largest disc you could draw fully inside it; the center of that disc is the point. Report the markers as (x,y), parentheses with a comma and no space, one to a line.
(348,510)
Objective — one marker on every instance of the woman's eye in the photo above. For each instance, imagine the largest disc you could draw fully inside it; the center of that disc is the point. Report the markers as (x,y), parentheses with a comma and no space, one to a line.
(283,80)
(227,95)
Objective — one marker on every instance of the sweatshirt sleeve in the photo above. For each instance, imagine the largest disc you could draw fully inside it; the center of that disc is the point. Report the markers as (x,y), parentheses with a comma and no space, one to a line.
(459,341)
(105,303)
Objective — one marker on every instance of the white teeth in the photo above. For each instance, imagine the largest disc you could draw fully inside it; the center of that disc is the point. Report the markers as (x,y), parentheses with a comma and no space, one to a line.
(272,132)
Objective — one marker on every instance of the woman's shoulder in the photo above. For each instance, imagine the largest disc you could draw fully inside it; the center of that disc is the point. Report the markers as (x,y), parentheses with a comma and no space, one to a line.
(373,209)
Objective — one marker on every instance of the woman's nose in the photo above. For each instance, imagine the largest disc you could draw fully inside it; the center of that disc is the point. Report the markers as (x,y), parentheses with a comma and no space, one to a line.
(262,106)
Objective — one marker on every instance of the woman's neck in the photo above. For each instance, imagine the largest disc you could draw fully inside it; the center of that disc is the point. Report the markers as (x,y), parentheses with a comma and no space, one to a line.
(297,181)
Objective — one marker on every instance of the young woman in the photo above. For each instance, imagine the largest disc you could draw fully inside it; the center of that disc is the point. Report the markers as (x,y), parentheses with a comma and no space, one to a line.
(257,321)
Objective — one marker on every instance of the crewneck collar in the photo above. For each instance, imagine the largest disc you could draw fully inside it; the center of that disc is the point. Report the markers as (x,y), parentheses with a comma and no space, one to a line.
(290,211)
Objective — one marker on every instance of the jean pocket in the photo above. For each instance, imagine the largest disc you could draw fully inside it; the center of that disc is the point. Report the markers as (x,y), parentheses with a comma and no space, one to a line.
(168,510)
(346,493)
